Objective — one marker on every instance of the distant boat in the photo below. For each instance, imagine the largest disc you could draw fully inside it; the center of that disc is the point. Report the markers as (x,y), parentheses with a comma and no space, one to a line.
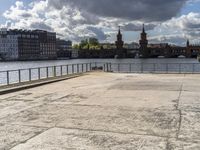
(161,56)
(181,56)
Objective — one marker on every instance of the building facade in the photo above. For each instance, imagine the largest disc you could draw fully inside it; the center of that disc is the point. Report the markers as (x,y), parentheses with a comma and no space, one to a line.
(28,44)
(63,48)
(63,45)
(47,44)
(8,45)
(192,50)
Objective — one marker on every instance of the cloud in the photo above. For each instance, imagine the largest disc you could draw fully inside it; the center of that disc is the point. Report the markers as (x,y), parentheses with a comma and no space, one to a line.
(172,39)
(79,19)
(138,26)
(40,25)
(145,10)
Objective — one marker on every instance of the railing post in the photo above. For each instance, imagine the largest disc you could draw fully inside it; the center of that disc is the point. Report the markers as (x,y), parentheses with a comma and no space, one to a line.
(118,67)
(179,68)
(29,74)
(107,67)
(67,69)
(154,66)
(167,68)
(142,68)
(95,64)
(47,72)
(54,71)
(8,81)
(19,75)
(61,70)
(193,68)
(90,66)
(86,67)
(77,68)
(82,68)
(39,76)
(72,68)
(130,68)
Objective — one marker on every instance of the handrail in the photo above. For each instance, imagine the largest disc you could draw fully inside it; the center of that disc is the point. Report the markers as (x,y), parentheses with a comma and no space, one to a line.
(38,73)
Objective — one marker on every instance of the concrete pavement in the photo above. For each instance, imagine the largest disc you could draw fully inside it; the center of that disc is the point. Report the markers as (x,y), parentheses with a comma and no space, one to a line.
(103,111)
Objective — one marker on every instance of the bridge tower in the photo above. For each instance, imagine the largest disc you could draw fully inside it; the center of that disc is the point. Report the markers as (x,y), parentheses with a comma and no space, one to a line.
(143,44)
(119,43)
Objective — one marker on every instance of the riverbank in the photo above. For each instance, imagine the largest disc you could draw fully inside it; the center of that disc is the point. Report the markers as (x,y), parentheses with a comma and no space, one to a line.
(104,111)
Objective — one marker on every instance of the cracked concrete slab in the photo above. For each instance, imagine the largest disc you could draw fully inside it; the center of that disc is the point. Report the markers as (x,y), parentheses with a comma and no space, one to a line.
(62,139)
(104,111)
(12,135)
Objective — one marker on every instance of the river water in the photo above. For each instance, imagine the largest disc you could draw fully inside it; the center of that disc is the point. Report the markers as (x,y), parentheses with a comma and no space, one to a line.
(118,65)
(4,66)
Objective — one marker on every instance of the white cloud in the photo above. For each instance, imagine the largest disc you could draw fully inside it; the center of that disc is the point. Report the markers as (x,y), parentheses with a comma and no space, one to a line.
(73,23)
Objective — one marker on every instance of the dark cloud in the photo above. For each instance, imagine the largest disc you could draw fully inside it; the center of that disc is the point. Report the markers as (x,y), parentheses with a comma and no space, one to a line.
(137,27)
(98,32)
(26,15)
(145,10)
(192,25)
(40,25)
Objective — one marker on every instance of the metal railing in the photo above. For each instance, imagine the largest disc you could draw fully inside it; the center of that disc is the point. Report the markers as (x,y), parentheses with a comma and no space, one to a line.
(33,74)
(167,68)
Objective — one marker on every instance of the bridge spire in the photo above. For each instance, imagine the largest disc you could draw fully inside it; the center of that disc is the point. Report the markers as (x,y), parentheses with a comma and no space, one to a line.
(188,43)
(143,29)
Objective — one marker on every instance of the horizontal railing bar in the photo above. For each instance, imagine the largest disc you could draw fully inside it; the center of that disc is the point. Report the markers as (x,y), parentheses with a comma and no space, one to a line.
(26,69)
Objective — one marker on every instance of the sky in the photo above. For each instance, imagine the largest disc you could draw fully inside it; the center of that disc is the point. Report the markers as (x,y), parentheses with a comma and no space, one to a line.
(166,21)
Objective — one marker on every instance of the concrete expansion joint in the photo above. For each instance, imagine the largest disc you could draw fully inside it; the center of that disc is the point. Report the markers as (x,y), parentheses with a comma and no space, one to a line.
(179,112)
(35,126)
(114,132)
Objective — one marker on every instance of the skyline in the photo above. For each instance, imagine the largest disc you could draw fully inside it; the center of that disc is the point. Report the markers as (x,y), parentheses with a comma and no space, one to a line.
(174,21)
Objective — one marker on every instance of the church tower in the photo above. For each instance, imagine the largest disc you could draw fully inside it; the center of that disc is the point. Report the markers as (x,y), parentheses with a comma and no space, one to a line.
(143,44)
(119,43)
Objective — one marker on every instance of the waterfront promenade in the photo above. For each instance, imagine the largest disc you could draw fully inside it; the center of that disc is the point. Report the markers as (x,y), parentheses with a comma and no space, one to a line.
(103,111)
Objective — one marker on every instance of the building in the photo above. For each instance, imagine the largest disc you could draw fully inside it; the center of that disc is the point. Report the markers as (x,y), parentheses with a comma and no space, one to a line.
(192,50)
(63,45)
(119,43)
(74,53)
(8,45)
(107,45)
(19,45)
(63,48)
(159,45)
(47,44)
(27,44)
(131,46)
(144,52)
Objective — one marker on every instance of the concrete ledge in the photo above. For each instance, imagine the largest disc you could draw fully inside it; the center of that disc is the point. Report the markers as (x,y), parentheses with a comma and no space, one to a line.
(28,85)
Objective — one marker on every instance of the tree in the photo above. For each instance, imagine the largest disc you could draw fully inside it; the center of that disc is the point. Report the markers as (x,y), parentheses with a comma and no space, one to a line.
(83,44)
(93,42)
(76,46)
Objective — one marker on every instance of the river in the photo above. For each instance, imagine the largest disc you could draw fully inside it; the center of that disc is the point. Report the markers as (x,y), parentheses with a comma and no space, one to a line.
(14,65)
